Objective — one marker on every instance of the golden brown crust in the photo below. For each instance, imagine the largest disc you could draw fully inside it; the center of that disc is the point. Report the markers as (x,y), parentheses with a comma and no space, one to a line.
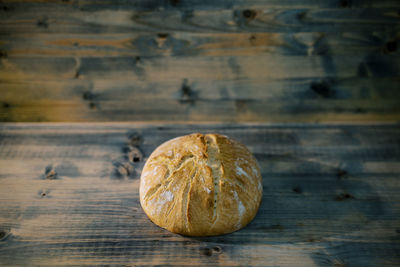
(201,185)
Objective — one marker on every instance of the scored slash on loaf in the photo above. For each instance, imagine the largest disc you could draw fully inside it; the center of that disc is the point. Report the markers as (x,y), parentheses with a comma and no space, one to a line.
(201,185)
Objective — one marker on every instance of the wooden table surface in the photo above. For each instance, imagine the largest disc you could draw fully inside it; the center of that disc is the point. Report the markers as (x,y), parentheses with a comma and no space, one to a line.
(69,196)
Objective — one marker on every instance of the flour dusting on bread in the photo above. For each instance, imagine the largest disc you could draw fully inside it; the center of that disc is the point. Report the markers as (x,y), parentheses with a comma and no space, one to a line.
(240,171)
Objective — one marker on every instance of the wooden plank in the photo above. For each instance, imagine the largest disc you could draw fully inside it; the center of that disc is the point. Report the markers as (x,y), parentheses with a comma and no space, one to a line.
(193,44)
(79,100)
(330,197)
(258,88)
(146,5)
(203,111)
(80,90)
(209,68)
(69,20)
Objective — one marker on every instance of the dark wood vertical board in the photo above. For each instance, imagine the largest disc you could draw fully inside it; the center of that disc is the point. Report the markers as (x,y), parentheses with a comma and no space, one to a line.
(189,60)
(69,196)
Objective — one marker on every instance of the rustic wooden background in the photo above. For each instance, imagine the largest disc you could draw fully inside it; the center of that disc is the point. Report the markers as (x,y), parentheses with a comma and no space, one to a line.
(69,196)
(199,60)
(260,71)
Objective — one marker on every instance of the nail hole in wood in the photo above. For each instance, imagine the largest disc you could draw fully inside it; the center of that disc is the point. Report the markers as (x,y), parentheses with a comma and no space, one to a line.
(6,105)
(76,44)
(207,252)
(186,90)
(344,196)
(2,234)
(43,22)
(3,54)
(323,89)
(87,95)
(297,190)
(5,8)
(217,249)
(162,35)
(301,15)
(345,3)
(135,155)
(92,105)
(249,14)
(43,194)
(187,94)
(391,46)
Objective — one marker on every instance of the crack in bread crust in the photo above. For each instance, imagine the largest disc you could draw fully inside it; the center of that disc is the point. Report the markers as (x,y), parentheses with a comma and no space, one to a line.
(186,199)
(151,191)
(182,162)
(168,175)
(215,165)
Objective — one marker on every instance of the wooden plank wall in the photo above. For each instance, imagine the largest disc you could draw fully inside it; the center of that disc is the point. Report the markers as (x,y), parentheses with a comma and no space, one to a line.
(69,196)
(192,60)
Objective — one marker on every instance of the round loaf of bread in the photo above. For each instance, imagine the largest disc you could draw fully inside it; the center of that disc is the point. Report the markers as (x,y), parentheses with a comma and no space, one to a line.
(201,185)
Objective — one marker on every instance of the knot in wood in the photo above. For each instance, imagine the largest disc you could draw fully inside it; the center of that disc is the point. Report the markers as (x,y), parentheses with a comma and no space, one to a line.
(343,196)
(134,154)
(207,252)
(162,35)
(345,3)
(43,22)
(390,47)
(187,94)
(135,139)
(50,173)
(3,54)
(3,234)
(323,89)
(123,169)
(297,190)
(249,14)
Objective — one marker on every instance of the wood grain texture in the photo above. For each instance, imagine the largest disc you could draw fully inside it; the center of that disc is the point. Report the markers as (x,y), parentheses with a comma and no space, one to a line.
(224,20)
(176,60)
(69,195)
